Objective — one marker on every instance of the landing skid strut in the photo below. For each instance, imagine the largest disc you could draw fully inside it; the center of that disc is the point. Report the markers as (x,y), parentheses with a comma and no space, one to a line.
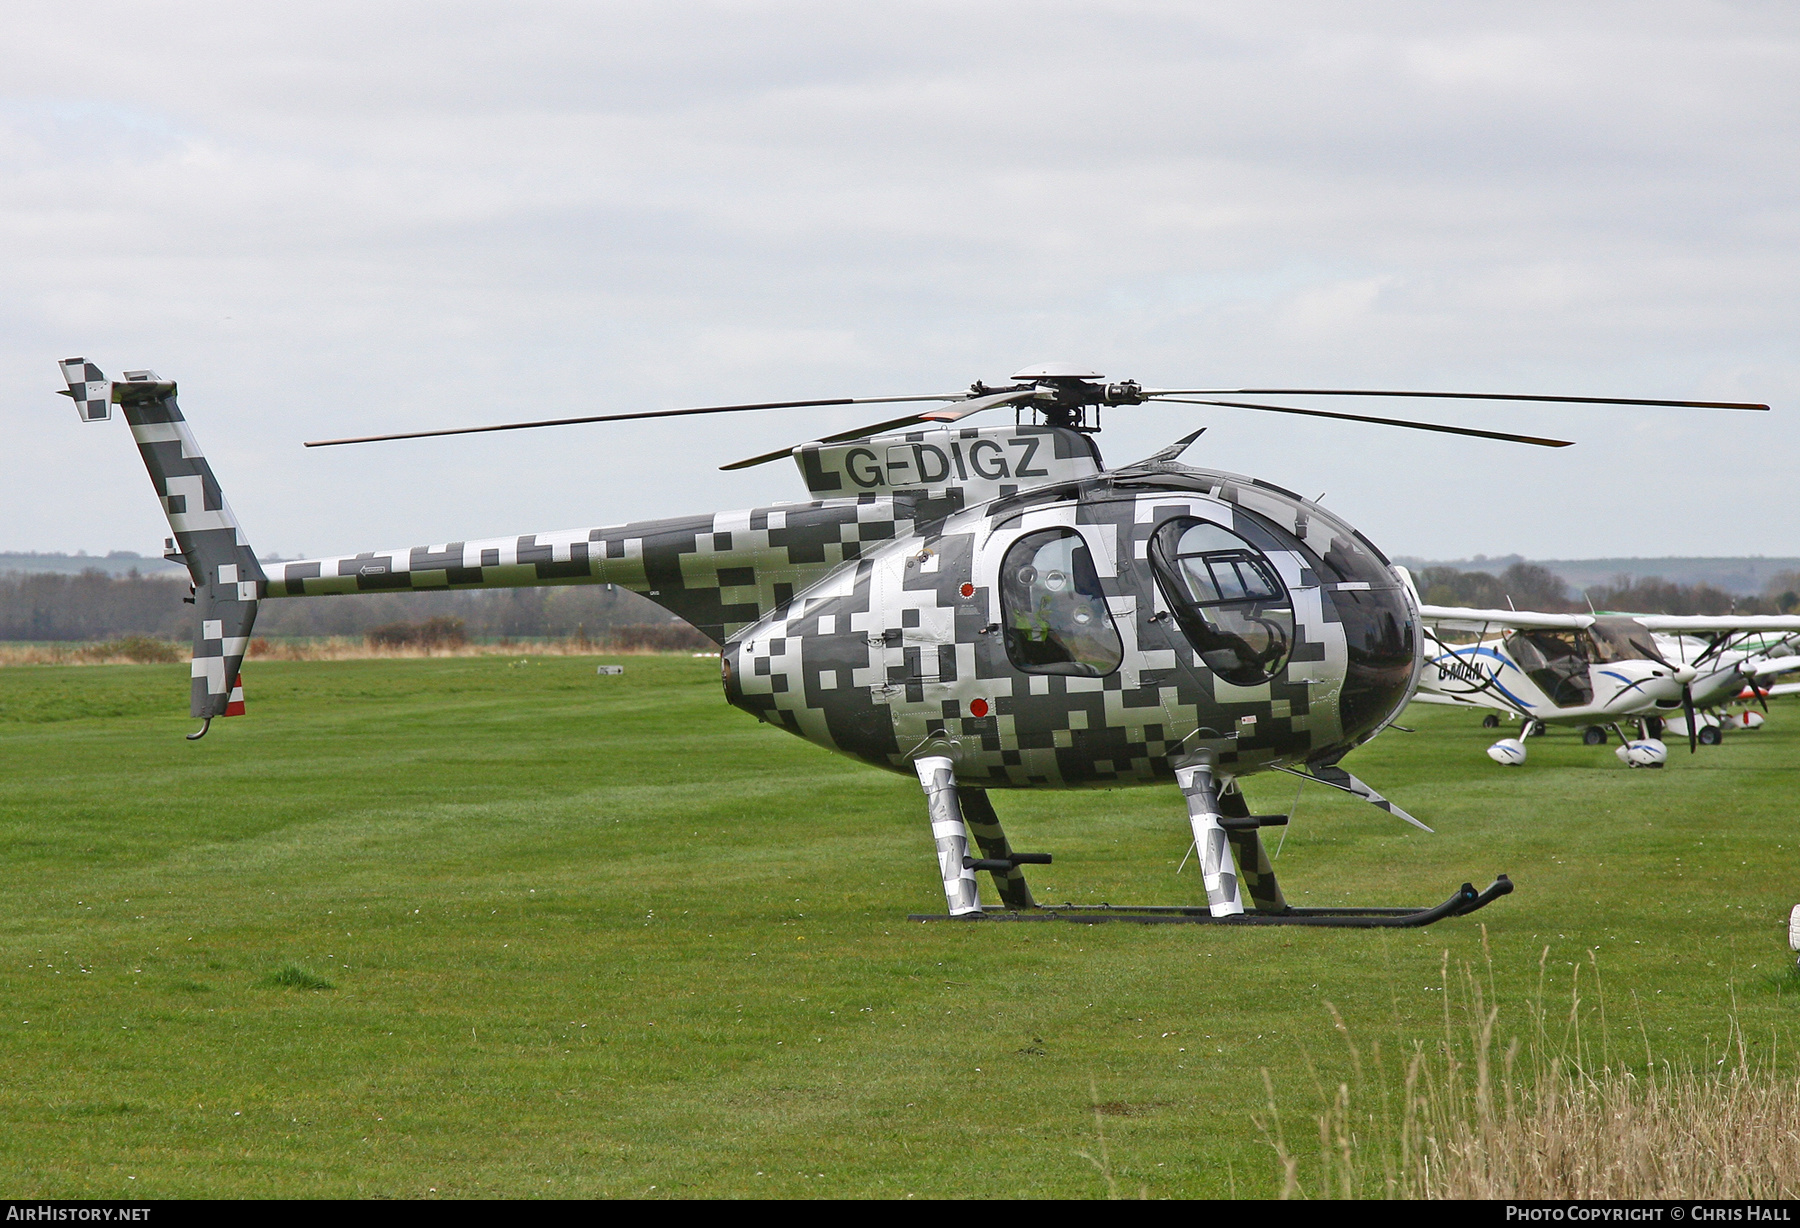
(1465,901)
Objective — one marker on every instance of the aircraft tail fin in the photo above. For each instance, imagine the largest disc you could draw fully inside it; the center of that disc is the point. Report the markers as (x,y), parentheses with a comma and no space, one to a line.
(228,581)
(88,388)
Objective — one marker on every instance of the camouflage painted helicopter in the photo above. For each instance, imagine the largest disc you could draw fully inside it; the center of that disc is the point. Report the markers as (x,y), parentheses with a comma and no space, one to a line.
(984,607)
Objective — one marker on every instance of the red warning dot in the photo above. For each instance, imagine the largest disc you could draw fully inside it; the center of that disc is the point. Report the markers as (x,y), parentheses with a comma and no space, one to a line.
(978,707)
(967,590)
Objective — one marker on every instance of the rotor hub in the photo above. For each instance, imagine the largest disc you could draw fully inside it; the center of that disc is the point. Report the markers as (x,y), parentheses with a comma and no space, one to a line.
(1062,393)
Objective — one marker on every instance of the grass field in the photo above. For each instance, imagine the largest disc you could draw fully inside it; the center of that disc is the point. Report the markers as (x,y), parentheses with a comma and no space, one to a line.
(474,927)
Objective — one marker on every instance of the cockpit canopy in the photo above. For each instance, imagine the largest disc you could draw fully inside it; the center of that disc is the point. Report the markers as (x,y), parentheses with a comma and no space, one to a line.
(1623,639)
(1557,660)
(1226,596)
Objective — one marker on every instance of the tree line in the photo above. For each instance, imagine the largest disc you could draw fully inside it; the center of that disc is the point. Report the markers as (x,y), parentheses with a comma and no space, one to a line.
(93,606)
(1527,586)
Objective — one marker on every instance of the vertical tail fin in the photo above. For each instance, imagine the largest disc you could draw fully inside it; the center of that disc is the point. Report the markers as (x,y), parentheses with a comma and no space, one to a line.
(228,580)
(88,388)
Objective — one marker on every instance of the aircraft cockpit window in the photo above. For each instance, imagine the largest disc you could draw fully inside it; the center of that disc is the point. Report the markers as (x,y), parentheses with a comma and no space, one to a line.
(1230,603)
(1623,639)
(1557,661)
(1055,612)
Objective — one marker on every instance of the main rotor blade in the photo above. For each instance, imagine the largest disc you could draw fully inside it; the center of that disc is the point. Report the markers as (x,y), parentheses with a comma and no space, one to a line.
(1417,426)
(853,433)
(970,405)
(1451,396)
(655,413)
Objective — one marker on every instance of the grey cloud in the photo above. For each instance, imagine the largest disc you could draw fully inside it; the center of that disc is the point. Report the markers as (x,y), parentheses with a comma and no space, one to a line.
(345,218)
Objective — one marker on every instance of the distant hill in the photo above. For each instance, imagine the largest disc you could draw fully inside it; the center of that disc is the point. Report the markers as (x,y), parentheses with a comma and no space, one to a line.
(118,563)
(1746,577)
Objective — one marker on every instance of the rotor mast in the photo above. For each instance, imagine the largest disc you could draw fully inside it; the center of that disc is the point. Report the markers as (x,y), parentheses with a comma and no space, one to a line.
(1062,393)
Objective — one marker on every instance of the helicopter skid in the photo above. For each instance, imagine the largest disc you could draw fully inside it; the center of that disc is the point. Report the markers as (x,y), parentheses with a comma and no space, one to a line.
(1466,900)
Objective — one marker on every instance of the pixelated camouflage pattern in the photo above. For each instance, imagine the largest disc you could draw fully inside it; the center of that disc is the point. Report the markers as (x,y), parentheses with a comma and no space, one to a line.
(885,660)
(226,575)
(1255,871)
(870,625)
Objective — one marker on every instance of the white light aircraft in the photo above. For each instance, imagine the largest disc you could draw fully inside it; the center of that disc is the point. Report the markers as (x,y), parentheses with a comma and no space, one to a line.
(1600,671)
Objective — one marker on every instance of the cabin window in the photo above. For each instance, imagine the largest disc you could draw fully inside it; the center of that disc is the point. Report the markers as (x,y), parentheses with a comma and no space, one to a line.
(1056,620)
(1622,639)
(1229,601)
(1557,661)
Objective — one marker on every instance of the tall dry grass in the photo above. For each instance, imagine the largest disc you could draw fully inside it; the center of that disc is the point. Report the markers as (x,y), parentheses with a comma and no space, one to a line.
(1556,1115)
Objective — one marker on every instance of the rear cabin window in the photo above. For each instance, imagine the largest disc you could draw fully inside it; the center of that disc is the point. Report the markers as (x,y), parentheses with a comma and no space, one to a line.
(1054,611)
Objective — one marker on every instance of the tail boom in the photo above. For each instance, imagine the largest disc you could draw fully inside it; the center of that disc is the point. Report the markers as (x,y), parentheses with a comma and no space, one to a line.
(721,573)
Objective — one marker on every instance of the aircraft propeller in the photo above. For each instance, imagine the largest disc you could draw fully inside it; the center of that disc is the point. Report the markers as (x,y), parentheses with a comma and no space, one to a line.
(1685,675)
(1762,696)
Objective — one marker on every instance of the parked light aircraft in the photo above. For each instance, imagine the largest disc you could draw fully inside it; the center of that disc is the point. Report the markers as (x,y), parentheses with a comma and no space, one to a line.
(1597,671)
(1759,662)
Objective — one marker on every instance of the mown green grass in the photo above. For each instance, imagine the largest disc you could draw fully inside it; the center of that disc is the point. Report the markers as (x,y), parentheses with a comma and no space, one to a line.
(604,935)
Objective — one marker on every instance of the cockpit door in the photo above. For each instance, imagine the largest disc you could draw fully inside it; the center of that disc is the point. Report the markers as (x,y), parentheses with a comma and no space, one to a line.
(918,625)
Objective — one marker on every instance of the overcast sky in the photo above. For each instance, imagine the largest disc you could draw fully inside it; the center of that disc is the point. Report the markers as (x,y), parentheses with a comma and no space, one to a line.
(332,219)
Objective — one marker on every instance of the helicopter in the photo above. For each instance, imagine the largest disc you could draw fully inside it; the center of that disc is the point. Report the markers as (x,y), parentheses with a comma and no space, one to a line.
(979,607)
(1601,672)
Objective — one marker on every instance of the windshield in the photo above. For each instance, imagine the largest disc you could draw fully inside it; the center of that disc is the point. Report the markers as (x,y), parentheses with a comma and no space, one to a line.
(1557,661)
(1623,639)
(1227,598)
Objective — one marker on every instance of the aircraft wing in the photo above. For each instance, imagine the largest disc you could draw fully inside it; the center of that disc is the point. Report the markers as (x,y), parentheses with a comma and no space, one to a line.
(1701,624)
(1785,688)
(1776,665)
(1459,618)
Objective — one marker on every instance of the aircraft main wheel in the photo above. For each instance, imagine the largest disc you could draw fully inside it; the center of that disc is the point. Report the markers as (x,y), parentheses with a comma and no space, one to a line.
(1709,735)
(1593,735)
(1490,721)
